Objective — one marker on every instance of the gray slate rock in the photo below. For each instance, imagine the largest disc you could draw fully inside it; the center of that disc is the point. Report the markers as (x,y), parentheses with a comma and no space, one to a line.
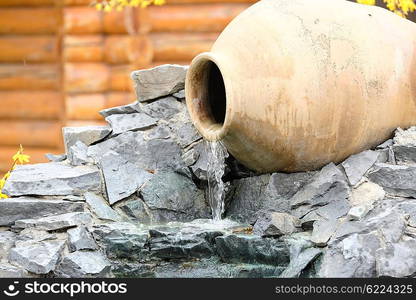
(133,147)
(126,122)
(357,165)
(52,179)
(173,197)
(175,243)
(184,132)
(79,238)
(323,231)
(163,108)
(86,134)
(37,257)
(77,154)
(238,248)
(13,209)
(55,157)
(242,207)
(99,206)
(56,222)
(327,191)
(354,256)
(386,144)
(276,224)
(136,210)
(405,154)
(9,271)
(122,175)
(122,240)
(396,180)
(397,260)
(159,81)
(272,193)
(297,265)
(84,264)
(6,242)
(180,94)
(121,110)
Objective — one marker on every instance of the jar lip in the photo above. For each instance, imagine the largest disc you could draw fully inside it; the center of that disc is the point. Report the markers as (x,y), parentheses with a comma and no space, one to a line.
(202,103)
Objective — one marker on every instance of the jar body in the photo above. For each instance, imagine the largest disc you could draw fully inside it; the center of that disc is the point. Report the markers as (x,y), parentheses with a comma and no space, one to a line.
(292,85)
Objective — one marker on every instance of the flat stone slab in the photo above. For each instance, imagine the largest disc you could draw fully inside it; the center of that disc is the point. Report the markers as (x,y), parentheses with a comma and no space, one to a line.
(134,121)
(237,248)
(37,257)
(100,207)
(163,108)
(298,264)
(276,224)
(397,260)
(122,239)
(79,238)
(159,81)
(120,110)
(85,134)
(52,179)
(396,180)
(9,271)
(56,222)
(13,209)
(81,264)
(6,242)
(357,165)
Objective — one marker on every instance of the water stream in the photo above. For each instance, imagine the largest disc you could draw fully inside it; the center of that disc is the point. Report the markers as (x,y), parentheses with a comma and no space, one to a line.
(216,187)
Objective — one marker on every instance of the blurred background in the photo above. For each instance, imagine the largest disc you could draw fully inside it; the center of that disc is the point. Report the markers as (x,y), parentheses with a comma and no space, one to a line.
(62,61)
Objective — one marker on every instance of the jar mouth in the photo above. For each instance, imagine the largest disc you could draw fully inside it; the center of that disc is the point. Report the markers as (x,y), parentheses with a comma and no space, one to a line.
(207,97)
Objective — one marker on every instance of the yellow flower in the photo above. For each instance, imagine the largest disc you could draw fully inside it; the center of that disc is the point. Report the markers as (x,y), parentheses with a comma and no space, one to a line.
(2,183)
(3,196)
(21,158)
(99,6)
(107,8)
(159,2)
(368,2)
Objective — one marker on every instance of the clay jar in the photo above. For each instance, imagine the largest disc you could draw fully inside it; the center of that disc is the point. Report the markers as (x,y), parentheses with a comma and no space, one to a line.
(291,85)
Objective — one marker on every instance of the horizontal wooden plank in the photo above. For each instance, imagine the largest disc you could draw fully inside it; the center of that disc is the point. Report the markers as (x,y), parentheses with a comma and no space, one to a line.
(82,20)
(29,21)
(29,77)
(87,20)
(76,2)
(181,46)
(122,49)
(85,106)
(79,48)
(194,17)
(37,155)
(44,105)
(28,2)
(86,77)
(28,49)
(113,49)
(31,133)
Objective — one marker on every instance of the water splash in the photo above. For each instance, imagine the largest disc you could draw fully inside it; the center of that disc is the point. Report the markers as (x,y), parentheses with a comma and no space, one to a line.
(215,171)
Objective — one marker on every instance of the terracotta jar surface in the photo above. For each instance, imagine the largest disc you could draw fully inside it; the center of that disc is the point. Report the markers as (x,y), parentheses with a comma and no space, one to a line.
(291,85)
